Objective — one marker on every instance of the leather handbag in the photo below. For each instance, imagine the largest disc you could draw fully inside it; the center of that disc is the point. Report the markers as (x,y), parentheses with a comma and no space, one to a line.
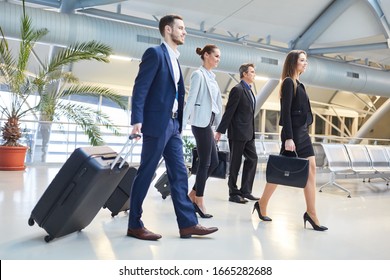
(221,171)
(288,171)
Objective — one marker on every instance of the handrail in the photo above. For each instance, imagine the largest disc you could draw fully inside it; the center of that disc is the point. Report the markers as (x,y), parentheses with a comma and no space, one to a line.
(328,138)
(66,136)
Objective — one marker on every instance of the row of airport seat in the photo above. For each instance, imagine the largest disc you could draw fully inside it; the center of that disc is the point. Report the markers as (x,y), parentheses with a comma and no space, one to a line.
(342,161)
(266,148)
(345,161)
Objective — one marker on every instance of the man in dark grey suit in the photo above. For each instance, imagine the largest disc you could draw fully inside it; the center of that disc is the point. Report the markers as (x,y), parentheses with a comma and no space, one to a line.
(238,120)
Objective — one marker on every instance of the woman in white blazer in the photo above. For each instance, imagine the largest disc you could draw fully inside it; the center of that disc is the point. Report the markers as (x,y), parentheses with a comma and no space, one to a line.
(203,110)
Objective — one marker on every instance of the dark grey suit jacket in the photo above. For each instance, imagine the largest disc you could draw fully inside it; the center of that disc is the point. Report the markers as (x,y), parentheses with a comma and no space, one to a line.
(238,118)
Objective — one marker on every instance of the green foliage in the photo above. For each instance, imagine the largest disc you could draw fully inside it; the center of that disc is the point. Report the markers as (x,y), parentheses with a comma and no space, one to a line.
(188,145)
(51,83)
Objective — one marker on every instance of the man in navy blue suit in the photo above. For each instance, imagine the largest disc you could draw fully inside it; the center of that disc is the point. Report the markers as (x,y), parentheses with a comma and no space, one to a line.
(157,111)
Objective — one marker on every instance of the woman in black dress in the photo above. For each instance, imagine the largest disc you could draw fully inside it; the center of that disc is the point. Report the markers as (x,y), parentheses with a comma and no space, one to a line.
(295,117)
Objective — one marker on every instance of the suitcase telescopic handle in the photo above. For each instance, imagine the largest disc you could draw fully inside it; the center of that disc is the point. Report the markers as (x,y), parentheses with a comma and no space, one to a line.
(135,135)
(133,139)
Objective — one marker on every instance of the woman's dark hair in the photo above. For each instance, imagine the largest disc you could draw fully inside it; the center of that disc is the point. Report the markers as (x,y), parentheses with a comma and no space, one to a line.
(290,64)
(206,49)
(167,20)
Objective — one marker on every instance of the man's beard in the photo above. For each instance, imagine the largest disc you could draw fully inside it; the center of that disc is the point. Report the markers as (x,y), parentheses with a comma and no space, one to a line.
(176,40)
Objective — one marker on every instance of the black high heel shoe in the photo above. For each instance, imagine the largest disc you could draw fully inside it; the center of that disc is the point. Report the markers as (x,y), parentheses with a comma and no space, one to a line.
(257,208)
(200,212)
(306,217)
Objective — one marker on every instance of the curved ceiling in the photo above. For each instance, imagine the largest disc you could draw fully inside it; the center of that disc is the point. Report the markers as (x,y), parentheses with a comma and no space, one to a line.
(348,30)
(354,32)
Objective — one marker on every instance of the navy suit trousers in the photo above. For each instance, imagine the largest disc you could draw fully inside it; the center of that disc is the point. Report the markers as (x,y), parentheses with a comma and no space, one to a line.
(170,146)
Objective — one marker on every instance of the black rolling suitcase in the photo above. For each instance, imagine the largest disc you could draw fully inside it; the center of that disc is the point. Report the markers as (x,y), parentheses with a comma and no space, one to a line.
(120,199)
(162,185)
(78,191)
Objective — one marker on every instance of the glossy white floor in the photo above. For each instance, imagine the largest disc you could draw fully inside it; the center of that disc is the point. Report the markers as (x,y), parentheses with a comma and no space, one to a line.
(359,227)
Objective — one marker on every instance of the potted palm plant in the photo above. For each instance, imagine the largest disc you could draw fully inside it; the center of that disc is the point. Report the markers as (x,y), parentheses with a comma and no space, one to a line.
(22,84)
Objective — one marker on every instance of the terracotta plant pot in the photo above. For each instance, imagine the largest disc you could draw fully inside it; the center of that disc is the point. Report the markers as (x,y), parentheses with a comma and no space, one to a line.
(12,158)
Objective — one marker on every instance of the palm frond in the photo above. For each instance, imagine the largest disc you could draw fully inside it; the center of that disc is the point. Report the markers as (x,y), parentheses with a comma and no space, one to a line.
(79,52)
(88,119)
(69,78)
(84,117)
(52,83)
(96,91)
(47,107)
(104,120)
(7,66)
(43,83)
(29,37)
(18,106)
(7,62)
(22,108)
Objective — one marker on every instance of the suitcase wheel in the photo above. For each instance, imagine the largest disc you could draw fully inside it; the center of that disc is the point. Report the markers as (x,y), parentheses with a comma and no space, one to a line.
(31,221)
(165,194)
(113,214)
(48,238)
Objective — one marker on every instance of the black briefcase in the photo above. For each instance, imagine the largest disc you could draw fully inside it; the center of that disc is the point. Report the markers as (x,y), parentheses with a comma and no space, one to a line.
(222,169)
(288,171)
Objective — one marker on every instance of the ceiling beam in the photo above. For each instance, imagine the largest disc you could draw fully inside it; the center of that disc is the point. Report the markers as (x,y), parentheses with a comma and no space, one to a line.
(190,31)
(48,3)
(76,4)
(69,6)
(325,19)
(375,6)
(367,126)
(346,49)
(230,15)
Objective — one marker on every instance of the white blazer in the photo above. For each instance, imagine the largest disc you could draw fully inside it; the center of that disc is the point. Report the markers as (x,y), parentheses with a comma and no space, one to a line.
(199,104)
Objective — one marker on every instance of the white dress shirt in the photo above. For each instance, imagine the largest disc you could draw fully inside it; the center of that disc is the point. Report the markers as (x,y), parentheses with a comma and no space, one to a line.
(174,56)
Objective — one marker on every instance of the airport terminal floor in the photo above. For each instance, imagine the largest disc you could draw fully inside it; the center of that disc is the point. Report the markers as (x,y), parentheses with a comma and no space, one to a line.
(359,227)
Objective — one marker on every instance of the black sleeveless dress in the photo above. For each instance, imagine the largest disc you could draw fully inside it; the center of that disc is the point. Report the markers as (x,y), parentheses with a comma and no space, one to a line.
(303,144)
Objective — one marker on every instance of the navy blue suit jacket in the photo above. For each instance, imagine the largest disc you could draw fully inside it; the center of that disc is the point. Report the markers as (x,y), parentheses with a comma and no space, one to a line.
(154,92)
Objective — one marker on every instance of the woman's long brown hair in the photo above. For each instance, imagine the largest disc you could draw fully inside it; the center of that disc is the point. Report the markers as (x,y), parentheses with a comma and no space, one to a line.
(290,66)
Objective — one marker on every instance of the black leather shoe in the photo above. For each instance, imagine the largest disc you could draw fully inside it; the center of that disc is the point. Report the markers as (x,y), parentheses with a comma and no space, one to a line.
(250,196)
(143,233)
(237,199)
(196,230)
